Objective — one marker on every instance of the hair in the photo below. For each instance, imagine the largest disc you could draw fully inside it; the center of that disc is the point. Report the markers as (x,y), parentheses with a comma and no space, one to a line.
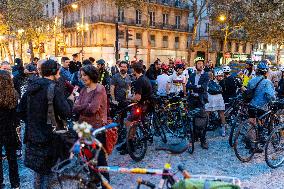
(18,62)
(92,72)
(75,55)
(63,59)
(49,68)
(123,62)
(87,62)
(36,59)
(92,59)
(8,94)
(138,67)
(157,61)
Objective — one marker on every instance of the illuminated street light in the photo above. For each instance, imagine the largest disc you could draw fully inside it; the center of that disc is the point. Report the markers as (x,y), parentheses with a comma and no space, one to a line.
(222,18)
(74,6)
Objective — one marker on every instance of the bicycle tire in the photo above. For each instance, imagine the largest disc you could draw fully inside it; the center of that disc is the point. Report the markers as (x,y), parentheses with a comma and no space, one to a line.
(190,138)
(274,140)
(136,139)
(243,142)
(160,129)
(234,129)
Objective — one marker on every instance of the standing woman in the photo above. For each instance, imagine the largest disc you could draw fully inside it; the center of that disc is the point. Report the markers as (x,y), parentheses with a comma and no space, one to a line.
(8,135)
(92,105)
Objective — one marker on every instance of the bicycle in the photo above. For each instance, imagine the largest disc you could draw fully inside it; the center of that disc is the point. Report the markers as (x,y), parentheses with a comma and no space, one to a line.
(250,138)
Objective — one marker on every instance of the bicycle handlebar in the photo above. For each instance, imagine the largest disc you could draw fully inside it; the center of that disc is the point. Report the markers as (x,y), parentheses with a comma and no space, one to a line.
(109,126)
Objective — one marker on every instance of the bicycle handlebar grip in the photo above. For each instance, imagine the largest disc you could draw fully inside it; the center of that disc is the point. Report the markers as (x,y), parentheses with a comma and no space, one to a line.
(185,173)
(106,185)
(110,126)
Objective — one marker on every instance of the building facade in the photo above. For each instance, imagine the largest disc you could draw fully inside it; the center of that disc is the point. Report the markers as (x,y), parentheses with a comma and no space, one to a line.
(162,34)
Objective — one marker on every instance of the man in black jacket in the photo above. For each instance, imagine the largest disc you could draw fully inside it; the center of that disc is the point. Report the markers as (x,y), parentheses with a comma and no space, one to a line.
(75,65)
(153,72)
(39,133)
(197,87)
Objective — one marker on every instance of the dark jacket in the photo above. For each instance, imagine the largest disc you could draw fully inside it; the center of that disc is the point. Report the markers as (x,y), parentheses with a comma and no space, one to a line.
(8,124)
(38,134)
(229,86)
(152,73)
(280,89)
(200,90)
(74,66)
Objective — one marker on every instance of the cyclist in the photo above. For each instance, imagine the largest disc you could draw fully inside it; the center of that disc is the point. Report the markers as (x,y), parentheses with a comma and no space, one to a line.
(280,87)
(229,84)
(197,86)
(153,72)
(264,93)
(248,73)
(162,81)
(177,81)
(215,99)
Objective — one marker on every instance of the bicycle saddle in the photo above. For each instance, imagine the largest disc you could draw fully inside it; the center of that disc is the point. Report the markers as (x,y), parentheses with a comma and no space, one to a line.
(174,148)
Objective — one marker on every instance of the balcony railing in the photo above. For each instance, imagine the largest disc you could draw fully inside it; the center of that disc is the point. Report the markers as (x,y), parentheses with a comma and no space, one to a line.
(132,22)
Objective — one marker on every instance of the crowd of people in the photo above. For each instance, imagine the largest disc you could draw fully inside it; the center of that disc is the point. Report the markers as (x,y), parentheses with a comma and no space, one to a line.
(45,94)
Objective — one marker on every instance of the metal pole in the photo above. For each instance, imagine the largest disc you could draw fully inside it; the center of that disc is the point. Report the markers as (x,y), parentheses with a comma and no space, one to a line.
(116,41)
(83,36)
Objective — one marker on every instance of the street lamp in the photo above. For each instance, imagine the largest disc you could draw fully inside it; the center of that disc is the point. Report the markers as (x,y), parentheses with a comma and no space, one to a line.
(222,18)
(81,28)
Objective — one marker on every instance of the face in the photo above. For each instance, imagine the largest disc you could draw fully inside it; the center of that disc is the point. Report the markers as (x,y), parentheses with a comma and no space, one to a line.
(75,58)
(219,77)
(179,71)
(100,66)
(171,64)
(199,66)
(85,78)
(36,61)
(6,67)
(123,68)
(66,63)
(158,65)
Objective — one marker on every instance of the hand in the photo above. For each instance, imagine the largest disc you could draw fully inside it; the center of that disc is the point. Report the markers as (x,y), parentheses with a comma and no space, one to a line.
(72,97)
(115,102)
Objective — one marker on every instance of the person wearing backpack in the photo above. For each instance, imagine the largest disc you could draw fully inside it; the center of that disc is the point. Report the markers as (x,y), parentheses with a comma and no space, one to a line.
(263,93)
(40,151)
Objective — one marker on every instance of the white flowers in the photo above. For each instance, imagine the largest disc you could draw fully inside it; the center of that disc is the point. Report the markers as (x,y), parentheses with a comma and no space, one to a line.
(83,129)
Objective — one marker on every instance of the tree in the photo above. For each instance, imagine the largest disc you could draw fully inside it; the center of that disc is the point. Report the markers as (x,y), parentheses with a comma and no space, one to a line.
(27,15)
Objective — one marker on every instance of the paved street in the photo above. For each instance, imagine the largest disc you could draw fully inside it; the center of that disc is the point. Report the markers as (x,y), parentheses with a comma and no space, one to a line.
(218,160)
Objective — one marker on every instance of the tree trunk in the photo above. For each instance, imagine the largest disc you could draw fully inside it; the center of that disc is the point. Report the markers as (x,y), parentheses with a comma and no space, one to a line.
(6,47)
(31,49)
(192,42)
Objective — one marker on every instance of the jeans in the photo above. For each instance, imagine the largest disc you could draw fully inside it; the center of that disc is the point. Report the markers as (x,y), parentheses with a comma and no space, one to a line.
(13,165)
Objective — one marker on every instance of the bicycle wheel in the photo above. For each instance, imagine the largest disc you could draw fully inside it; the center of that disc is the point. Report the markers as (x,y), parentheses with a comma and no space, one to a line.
(159,128)
(190,138)
(137,142)
(244,142)
(274,148)
(235,125)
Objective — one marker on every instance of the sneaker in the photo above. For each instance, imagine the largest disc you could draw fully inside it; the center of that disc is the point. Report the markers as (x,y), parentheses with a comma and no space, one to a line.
(204,145)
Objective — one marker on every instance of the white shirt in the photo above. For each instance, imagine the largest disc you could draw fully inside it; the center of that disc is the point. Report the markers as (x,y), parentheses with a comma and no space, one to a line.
(176,83)
(162,81)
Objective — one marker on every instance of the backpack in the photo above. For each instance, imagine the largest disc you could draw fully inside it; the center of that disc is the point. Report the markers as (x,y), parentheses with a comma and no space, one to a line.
(249,93)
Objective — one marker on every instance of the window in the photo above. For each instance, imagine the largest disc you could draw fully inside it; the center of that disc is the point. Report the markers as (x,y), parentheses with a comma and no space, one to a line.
(86,39)
(139,39)
(177,42)
(237,47)
(152,38)
(165,41)
(177,22)
(165,19)
(152,18)
(244,48)
(138,16)
(120,15)
(46,9)
(53,8)
(207,28)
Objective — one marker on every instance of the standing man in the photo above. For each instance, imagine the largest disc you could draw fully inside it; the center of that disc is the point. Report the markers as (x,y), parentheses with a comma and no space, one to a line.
(31,69)
(153,72)
(64,70)
(115,69)
(104,76)
(197,86)
(75,65)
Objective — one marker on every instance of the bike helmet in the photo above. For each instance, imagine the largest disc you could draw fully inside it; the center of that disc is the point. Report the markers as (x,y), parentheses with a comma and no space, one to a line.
(219,73)
(263,66)
(199,59)
(165,68)
(226,69)
(249,62)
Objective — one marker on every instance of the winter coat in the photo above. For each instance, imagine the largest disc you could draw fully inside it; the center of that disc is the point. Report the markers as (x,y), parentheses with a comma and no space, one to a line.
(39,135)
(8,125)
